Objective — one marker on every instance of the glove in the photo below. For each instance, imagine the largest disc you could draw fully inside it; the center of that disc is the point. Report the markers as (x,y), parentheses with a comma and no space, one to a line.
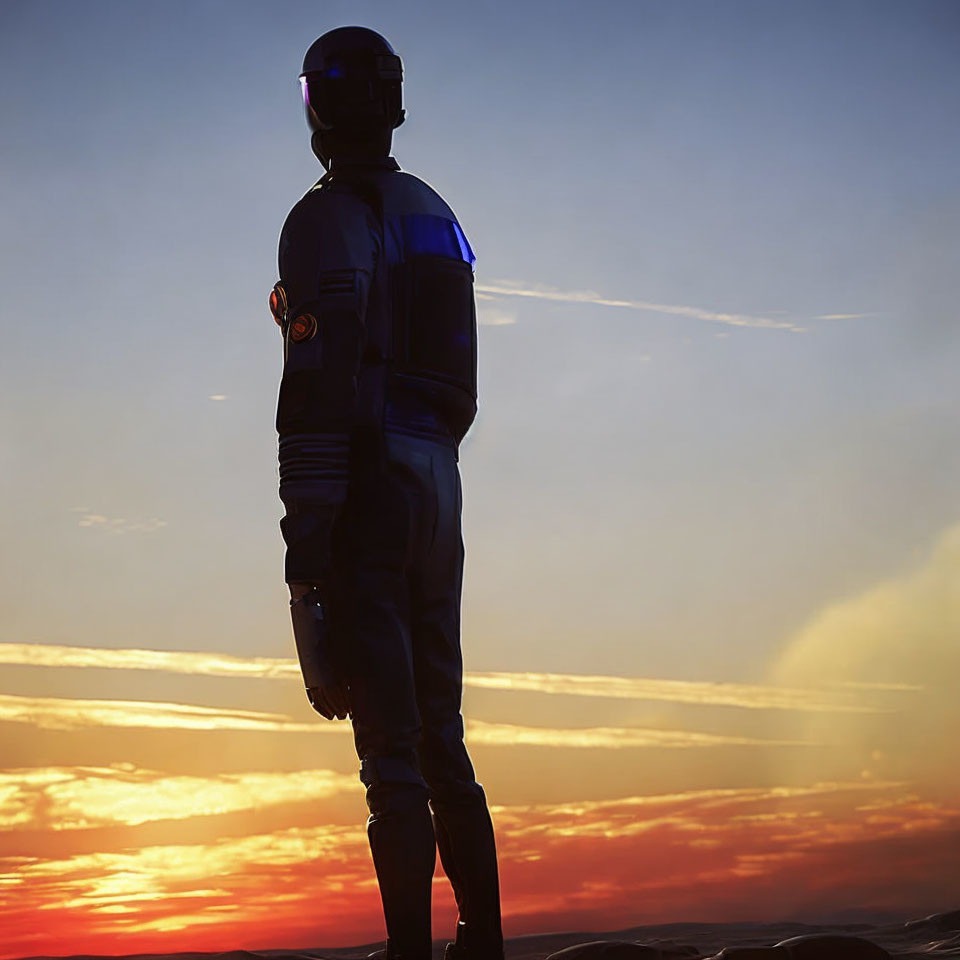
(320,662)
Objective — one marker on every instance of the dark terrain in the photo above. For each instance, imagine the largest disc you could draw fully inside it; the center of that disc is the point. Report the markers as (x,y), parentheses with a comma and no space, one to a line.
(930,938)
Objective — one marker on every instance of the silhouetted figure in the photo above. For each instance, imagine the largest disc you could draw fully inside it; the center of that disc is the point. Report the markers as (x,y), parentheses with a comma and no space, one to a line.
(376,305)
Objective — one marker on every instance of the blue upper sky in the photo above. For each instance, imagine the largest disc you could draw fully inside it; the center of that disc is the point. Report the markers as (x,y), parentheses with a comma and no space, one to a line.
(763,422)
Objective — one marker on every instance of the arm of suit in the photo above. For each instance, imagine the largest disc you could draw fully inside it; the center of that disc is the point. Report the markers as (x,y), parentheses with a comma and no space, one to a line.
(329,247)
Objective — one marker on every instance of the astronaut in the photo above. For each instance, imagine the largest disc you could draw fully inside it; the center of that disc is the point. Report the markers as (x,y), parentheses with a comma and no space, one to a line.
(376,307)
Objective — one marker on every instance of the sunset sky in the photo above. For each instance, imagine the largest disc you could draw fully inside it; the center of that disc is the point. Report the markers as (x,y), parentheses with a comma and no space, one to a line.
(712,599)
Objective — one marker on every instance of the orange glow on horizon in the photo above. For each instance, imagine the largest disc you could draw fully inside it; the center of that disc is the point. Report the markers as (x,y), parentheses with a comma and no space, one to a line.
(690,855)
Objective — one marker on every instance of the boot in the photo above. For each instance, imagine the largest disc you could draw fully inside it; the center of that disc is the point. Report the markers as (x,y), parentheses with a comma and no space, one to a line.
(387,952)
(466,947)
(404,855)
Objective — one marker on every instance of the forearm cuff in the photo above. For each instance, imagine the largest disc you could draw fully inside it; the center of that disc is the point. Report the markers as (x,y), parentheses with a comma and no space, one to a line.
(314,469)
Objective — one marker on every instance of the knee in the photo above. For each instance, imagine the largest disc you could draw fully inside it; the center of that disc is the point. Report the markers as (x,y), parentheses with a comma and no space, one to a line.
(394,783)
(447,768)
(449,795)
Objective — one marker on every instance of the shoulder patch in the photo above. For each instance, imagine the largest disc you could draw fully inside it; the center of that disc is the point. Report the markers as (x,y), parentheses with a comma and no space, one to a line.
(278,303)
(303,328)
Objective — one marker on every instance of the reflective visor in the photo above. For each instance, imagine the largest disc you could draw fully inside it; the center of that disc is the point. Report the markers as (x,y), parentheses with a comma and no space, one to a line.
(313,116)
(358,89)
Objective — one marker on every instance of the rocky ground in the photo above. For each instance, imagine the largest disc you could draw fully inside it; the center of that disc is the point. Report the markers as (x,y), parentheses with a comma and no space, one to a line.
(936,937)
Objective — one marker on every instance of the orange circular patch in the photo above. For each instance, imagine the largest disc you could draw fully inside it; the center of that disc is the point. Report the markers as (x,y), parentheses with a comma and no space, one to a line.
(303,328)
(278,303)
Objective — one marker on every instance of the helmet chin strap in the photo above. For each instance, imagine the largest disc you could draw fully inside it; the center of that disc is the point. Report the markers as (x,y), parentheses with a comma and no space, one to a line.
(316,145)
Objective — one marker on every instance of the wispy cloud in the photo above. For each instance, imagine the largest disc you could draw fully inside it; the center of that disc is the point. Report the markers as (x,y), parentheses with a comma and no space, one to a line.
(842,316)
(84,797)
(849,698)
(496,318)
(508,289)
(508,734)
(873,685)
(170,661)
(75,798)
(491,314)
(121,524)
(631,811)
(217,396)
(242,889)
(748,696)
(55,713)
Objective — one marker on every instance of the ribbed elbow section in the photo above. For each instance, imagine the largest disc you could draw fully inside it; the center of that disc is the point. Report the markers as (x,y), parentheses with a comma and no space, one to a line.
(314,468)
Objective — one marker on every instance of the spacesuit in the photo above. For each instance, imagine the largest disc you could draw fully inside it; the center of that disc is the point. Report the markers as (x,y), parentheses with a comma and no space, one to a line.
(376,307)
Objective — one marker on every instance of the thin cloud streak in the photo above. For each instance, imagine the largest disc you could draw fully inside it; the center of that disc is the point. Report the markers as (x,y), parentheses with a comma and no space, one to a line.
(121,524)
(747,696)
(504,289)
(131,872)
(170,661)
(630,807)
(88,797)
(507,734)
(77,798)
(53,713)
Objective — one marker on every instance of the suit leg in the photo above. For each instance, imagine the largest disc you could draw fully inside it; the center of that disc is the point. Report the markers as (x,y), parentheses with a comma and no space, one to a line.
(387,726)
(462,823)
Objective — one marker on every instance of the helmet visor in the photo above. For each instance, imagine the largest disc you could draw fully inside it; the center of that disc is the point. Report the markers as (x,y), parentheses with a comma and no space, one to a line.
(311,112)
(361,90)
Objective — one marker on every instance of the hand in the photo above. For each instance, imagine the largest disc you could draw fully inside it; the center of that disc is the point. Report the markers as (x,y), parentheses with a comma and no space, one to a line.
(320,657)
(330,701)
